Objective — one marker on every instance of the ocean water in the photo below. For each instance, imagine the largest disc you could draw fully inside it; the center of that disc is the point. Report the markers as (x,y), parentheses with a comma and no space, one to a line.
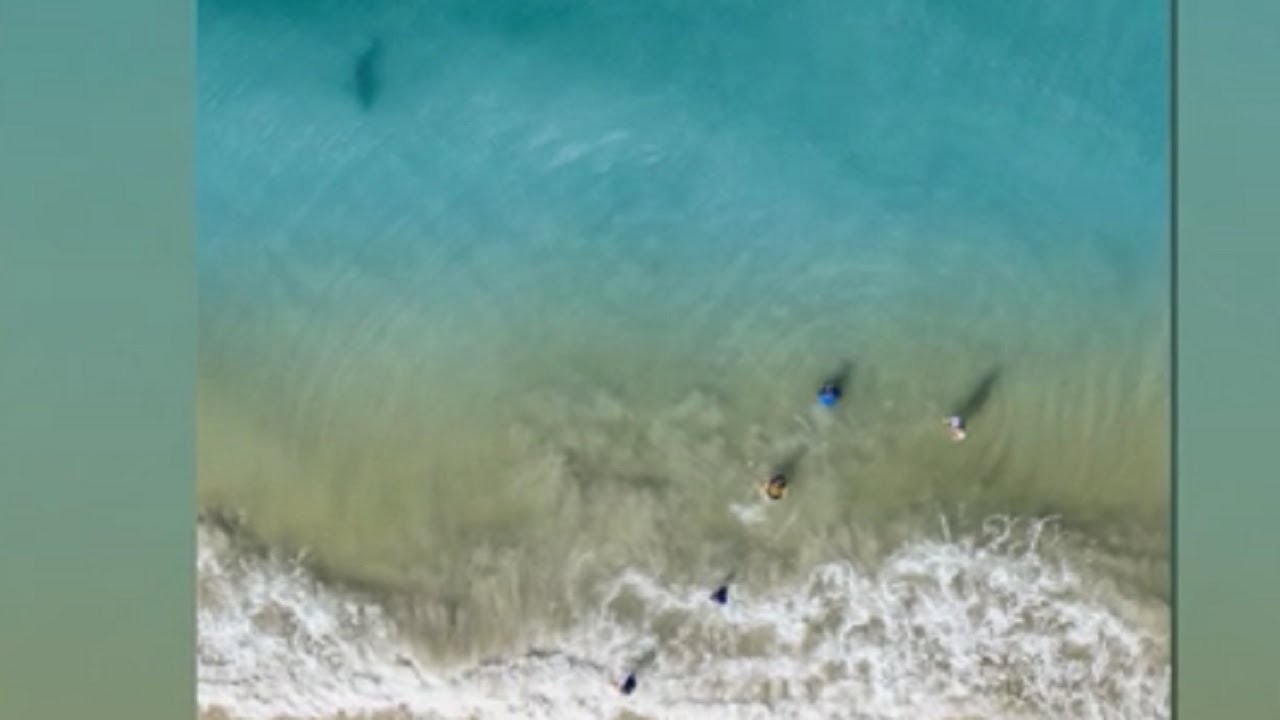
(508,307)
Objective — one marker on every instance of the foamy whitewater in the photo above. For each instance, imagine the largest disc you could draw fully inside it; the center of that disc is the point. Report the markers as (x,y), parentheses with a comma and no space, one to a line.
(508,307)
(984,627)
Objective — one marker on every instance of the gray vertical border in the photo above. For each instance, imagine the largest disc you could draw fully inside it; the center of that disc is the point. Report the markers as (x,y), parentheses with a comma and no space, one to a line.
(1227,279)
(97,360)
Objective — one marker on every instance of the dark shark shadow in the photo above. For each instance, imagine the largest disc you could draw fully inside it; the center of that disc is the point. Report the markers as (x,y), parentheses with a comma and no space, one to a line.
(841,377)
(979,396)
(368,75)
(789,463)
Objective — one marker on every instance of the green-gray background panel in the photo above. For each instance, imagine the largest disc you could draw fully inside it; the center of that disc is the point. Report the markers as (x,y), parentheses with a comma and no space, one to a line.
(1228,388)
(97,355)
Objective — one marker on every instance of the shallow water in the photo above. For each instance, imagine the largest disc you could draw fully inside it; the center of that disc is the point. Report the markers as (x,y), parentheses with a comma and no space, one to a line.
(521,309)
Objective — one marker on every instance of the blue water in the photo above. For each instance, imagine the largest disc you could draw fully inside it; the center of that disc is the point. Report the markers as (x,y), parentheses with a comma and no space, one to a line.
(582,257)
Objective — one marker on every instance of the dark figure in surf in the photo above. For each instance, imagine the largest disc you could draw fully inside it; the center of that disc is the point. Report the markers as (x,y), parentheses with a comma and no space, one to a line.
(629,683)
(368,78)
(720,595)
(977,400)
(832,389)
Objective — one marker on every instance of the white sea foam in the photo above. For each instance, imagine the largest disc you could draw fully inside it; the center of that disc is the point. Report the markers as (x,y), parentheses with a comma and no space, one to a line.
(980,628)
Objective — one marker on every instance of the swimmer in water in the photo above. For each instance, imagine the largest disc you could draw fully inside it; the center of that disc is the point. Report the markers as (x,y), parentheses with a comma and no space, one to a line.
(829,394)
(776,487)
(832,388)
(955,426)
(628,684)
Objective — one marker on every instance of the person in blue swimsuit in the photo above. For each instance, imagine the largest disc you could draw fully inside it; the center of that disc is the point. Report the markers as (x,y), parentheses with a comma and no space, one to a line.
(829,394)
(832,389)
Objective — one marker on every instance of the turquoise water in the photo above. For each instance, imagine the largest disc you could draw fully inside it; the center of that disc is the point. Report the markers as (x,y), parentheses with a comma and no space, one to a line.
(546,304)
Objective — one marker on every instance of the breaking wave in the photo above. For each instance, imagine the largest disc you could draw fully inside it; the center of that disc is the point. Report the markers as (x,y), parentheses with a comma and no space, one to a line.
(998,625)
